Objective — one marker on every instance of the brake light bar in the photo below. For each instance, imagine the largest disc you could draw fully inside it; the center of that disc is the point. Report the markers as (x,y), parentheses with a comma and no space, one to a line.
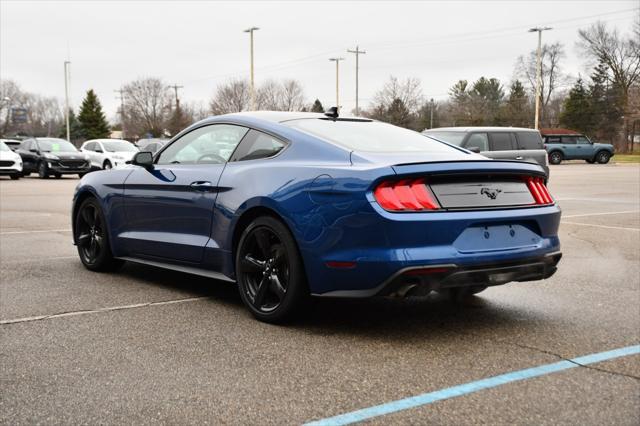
(405,195)
(538,190)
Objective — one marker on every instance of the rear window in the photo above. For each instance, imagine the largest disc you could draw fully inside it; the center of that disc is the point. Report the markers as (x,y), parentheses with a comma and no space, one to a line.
(454,138)
(371,136)
(529,140)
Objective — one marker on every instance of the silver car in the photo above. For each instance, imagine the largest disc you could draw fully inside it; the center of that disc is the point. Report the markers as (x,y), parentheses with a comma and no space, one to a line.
(503,143)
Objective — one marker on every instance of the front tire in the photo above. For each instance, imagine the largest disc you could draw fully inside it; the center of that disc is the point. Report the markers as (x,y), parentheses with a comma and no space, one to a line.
(269,271)
(43,173)
(555,157)
(107,165)
(58,175)
(92,238)
(603,157)
(15,176)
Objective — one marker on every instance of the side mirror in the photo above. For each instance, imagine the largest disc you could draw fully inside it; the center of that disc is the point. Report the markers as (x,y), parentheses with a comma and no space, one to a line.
(474,149)
(143,159)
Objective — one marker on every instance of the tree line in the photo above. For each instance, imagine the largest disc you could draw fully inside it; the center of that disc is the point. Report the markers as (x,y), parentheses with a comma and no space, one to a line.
(604,105)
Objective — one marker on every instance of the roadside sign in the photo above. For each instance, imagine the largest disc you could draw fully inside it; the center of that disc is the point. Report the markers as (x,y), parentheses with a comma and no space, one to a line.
(18,115)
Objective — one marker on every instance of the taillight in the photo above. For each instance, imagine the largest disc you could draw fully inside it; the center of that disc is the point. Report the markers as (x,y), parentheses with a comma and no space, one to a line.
(539,190)
(405,195)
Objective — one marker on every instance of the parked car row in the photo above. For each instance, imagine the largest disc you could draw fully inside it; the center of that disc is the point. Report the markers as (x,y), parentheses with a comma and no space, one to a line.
(57,157)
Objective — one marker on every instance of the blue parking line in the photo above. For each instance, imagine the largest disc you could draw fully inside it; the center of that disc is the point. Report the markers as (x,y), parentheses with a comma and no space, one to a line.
(459,390)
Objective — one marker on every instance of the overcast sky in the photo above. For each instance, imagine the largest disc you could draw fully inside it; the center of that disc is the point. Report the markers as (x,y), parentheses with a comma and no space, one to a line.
(200,44)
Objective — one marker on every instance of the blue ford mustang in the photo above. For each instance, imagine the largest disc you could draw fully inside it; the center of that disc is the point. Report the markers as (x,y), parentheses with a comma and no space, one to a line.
(290,205)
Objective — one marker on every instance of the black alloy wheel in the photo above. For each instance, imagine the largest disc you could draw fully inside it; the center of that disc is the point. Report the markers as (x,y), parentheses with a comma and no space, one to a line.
(555,157)
(603,157)
(43,173)
(92,238)
(269,271)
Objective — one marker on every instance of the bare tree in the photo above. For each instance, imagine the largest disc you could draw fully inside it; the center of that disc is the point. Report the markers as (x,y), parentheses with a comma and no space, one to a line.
(408,91)
(621,55)
(232,96)
(552,76)
(43,114)
(147,106)
(292,96)
(269,95)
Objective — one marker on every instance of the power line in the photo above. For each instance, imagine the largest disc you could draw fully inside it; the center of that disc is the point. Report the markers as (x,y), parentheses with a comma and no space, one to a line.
(175,87)
(357,52)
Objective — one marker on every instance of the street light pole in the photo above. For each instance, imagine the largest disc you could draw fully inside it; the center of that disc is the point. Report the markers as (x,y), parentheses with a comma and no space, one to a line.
(357,52)
(337,61)
(66,98)
(252,89)
(431,119)
(539,30)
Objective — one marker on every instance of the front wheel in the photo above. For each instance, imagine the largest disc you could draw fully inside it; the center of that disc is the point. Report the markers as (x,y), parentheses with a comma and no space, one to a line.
(92,238)
(555,157)
(269,271)
(603,157)
(107,165)
(43,173)
(15,176)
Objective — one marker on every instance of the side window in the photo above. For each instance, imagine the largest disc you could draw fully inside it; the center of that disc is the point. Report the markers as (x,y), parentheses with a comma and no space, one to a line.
(583,140)
(211,144)
(529,140)
(478,140)
(501,141)
(553,139)
(97,147)
(257,145)
(570,140)
(91,146)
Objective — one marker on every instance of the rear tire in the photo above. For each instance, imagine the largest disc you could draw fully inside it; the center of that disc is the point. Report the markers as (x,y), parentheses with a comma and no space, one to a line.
(603,157)
(269,271)
(555,157)
(92,238)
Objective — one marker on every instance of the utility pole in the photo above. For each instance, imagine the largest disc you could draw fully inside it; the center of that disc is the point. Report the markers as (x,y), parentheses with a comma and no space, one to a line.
(431,119)
(175,87)
(66,98)
(357,52)
(539,30)
(252,87)
(337,61)
(121,97)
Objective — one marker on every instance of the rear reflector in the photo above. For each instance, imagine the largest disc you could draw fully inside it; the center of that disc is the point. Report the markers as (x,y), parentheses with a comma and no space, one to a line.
(405,195)
(538,190)
(340,264)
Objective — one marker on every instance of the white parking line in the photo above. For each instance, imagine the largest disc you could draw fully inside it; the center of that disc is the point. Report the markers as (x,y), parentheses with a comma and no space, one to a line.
(600,214)
(97,311)
(602,226)
(39,231)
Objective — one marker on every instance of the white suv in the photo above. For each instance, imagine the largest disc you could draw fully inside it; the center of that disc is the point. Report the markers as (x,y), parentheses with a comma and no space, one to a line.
(10,162)
(108,153)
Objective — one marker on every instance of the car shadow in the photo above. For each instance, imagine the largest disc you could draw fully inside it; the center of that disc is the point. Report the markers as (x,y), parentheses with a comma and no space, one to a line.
(375,318)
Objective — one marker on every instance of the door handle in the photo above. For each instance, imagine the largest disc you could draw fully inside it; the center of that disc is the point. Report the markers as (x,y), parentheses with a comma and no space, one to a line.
(201,185)
(519,157)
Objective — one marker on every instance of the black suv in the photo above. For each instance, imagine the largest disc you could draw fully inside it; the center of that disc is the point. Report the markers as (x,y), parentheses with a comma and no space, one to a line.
(51,156)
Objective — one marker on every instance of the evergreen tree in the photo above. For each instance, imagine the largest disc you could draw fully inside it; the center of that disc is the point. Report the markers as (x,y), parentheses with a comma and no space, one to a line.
(75,130)
(606,105)
(178,120)
(92,120)
(398,114)
(517,111)
(577,112)
(317,106)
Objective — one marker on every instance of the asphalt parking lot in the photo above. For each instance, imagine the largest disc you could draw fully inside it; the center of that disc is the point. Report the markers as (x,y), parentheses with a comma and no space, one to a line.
(148,346)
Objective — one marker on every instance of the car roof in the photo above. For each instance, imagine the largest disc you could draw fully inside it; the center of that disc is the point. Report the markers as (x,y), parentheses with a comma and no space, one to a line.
(476,128)
(282,116)
(106,140)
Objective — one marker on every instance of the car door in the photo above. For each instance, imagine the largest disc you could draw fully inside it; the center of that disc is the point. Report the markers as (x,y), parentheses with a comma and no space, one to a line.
(29,158)
(585,148)
(169,206)
(503,146)
(570,148)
